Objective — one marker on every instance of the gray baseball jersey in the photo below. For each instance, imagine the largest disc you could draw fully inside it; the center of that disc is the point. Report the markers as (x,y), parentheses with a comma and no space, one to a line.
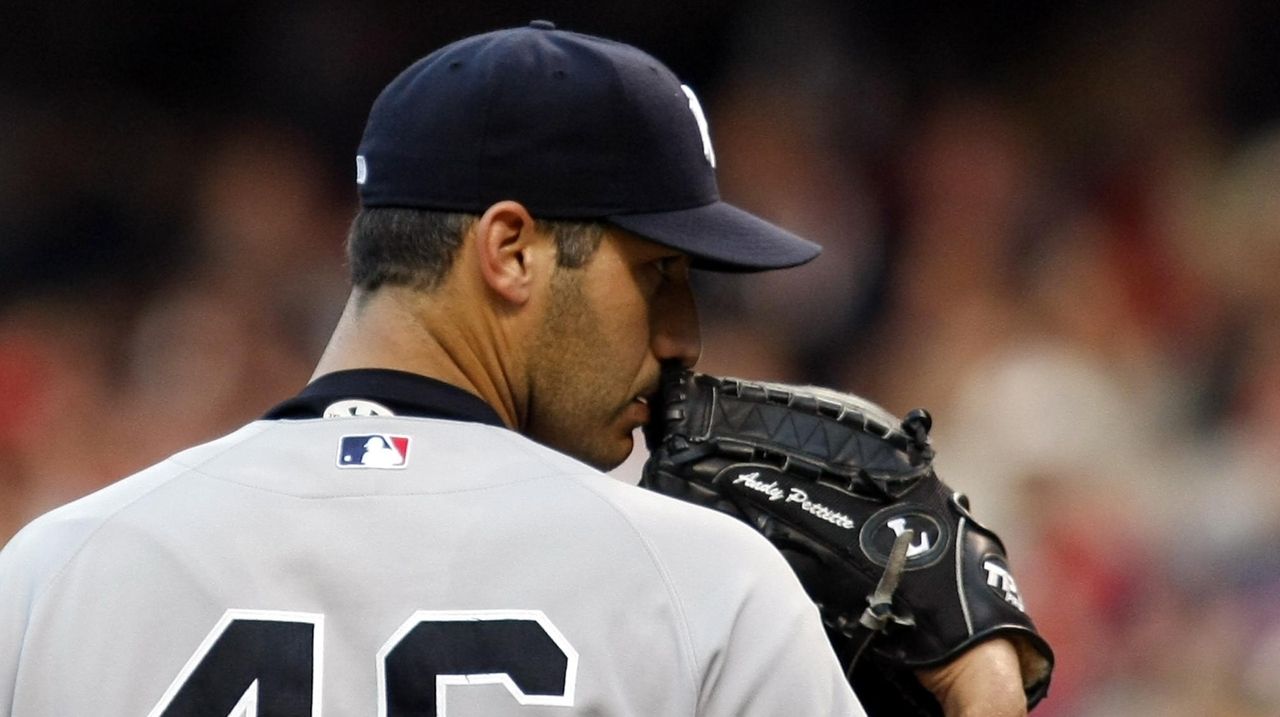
(400,565)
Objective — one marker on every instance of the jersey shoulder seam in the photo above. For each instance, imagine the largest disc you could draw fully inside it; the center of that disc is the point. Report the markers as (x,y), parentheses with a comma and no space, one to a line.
(110,516)
(583,480)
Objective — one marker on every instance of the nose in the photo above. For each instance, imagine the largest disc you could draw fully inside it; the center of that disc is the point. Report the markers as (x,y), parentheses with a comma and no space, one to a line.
(675,332)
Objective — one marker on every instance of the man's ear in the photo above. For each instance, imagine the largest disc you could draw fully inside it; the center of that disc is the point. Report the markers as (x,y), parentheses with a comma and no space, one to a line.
(511,255)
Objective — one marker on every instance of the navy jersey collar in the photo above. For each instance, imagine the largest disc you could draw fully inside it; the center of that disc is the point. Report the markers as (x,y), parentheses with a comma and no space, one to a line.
(405,394)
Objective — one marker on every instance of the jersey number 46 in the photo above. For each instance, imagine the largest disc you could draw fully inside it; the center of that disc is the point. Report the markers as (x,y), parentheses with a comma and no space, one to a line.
(259,663)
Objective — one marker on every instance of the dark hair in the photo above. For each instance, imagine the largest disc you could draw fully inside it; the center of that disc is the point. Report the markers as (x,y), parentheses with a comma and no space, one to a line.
(415,247)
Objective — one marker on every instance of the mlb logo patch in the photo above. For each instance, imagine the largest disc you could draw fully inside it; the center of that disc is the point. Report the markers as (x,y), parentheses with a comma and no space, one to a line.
(378,450)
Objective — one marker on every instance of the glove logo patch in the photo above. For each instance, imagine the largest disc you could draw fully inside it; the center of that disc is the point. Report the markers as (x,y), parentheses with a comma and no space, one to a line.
(1001,581)
(881,530)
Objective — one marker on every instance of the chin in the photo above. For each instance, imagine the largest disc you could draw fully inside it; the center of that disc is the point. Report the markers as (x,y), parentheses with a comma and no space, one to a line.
(605,456)
(603,450)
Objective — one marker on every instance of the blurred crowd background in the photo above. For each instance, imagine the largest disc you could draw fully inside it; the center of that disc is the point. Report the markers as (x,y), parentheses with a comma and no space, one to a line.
(1055,225)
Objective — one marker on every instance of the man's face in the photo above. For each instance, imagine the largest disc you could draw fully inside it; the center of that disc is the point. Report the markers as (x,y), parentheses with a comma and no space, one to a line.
(608,327)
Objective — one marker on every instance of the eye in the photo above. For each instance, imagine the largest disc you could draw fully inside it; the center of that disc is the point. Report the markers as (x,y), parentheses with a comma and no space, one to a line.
(666,265)
(670,266)
(658,272)
(662,270)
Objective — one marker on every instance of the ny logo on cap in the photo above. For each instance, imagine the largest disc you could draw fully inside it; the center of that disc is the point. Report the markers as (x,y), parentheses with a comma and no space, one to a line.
(696,108)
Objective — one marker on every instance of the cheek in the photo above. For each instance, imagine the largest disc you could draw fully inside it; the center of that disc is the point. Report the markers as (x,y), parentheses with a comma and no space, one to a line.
(632,336)
(628,347)
(629,322)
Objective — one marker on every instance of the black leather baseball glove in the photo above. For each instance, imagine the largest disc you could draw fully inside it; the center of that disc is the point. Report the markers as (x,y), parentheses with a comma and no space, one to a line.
(903,575)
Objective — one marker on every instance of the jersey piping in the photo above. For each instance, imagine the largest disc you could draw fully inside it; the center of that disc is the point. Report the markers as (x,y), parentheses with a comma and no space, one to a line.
(404,393)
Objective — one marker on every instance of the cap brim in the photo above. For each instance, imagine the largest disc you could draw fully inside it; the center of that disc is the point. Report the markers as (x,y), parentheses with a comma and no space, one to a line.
(721,237)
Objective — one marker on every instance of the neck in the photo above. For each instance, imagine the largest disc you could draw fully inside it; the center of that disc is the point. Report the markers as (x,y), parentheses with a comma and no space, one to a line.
(403,329)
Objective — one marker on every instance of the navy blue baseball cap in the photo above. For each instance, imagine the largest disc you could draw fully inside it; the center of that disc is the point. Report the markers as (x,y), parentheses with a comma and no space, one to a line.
(571,126)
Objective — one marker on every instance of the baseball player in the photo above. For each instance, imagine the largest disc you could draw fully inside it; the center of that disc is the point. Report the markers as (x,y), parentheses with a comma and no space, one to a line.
(424,530)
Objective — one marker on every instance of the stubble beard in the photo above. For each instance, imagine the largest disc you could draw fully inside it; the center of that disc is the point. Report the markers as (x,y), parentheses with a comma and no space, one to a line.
(568,386)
